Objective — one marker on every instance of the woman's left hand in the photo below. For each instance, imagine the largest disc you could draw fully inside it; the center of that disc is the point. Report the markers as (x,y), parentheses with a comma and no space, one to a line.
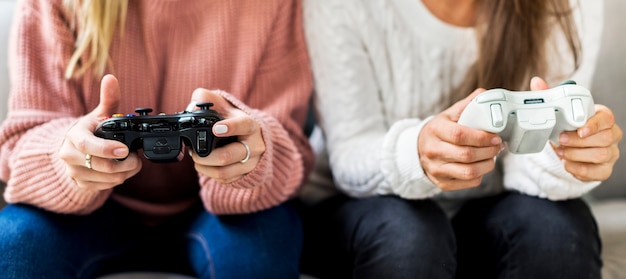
(590,152)
(234,160)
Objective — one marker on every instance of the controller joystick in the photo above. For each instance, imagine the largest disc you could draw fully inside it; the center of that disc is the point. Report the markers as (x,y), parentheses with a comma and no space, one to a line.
(526,120)
(143,111)
(163,137)
(204,106)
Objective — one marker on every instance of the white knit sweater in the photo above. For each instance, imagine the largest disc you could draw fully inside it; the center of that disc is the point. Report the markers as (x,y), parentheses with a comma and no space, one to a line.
(383,68)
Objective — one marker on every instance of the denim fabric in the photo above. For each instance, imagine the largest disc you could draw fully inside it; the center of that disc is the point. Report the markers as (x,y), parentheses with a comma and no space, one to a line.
(38,244)
(506,236)
(378,237)
(518,236)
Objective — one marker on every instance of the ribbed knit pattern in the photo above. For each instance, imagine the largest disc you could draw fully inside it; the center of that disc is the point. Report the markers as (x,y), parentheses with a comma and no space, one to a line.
(382,68)
(254,51)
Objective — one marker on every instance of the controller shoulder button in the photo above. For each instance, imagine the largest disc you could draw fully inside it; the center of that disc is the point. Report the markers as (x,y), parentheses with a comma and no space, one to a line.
(491,96)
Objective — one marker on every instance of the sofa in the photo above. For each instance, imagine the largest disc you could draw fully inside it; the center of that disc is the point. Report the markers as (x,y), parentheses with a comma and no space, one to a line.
(608,201)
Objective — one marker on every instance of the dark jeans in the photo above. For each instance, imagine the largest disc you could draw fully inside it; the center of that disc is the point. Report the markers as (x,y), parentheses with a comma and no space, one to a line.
(506,236)
(38,244)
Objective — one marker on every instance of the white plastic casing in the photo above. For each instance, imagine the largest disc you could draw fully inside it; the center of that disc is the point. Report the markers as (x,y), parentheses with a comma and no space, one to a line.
(526,120)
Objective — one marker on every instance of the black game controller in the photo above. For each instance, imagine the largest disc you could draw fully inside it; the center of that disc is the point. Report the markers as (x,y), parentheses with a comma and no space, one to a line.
(161,136)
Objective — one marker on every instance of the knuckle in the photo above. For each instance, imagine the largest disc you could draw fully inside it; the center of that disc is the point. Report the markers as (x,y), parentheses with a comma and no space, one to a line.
(220,174)
(429,153)
(80,143)
(457,133)
(106,166)
(607,137)
(117,178)
(436,172)
(258,149)
(446,187)
(64,154)
(72,172)
(604,155)
(465,155)
(469,173)
(225,156)
(252,126)
(581,171)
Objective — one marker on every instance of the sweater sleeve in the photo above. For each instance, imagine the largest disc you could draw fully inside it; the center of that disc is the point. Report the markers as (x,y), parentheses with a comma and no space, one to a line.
(543,174)
(368,155)
(278,101)
(42,107)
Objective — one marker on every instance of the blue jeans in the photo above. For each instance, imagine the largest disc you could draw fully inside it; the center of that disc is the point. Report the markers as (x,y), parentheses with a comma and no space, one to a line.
(38,244)
(506,236)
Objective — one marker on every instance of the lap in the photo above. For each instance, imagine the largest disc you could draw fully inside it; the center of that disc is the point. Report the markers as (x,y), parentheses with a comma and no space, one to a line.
(377,237)
(528,236)
(112,239)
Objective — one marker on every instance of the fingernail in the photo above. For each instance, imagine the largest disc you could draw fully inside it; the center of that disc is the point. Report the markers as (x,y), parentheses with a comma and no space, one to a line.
(583,132)
(496,140)
(220,129)
(119,152)
(563,138)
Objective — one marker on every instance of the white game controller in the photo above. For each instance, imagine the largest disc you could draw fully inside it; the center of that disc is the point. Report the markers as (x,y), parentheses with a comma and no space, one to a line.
(526,120)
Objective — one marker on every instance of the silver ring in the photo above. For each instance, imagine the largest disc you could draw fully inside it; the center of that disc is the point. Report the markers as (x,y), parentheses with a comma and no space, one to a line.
(88,161)
(247,152)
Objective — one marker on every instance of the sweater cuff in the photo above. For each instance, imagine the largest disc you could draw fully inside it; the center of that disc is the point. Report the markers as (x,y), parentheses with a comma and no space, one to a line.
(38,174)
(276,177)
(402,163)
(543,175)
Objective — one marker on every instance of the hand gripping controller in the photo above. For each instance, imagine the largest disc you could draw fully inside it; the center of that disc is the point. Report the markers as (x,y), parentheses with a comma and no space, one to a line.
(162,136)
(527,120)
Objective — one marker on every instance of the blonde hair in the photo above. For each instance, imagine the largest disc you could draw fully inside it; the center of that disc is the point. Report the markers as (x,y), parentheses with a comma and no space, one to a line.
(95,22)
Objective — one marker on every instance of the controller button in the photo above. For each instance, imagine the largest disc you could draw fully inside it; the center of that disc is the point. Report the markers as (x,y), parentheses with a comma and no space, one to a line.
(119,136)
(202,142)
(578,111)
(497,120)
(117,115)
(491,96)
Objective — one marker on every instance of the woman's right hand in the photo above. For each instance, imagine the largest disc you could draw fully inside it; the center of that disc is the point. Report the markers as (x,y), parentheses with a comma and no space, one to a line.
(453,156)
(103,172)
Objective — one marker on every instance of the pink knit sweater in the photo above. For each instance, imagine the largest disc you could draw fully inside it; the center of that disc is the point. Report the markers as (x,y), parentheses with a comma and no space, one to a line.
(254,50)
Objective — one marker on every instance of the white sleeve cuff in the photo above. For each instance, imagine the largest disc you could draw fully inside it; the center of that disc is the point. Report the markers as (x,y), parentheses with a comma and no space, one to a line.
(542,175)
(401,164)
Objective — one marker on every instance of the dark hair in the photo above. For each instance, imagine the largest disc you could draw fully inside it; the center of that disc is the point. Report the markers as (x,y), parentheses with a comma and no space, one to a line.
(512,38)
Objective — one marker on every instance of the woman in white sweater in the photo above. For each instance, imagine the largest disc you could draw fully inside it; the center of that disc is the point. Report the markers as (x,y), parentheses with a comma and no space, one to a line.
(426,197)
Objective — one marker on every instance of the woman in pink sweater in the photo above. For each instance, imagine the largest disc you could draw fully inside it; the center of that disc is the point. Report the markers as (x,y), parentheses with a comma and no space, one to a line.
(75,211)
